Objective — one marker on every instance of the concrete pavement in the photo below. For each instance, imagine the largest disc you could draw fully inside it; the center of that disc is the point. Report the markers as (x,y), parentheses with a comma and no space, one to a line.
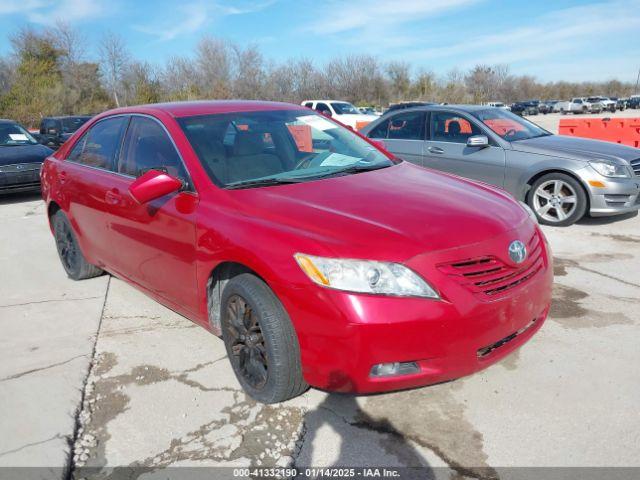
(94,373)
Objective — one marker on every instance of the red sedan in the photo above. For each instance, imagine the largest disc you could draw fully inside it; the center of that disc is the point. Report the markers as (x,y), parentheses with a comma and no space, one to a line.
(318,257)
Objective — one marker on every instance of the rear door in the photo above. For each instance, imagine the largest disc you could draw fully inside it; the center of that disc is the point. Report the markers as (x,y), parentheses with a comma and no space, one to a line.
(403,134)
(86,177)
(447,150)
(154,243)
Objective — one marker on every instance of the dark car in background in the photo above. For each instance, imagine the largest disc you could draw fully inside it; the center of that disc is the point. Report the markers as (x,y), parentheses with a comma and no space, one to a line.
(525,108)
(54,131)
(20,158)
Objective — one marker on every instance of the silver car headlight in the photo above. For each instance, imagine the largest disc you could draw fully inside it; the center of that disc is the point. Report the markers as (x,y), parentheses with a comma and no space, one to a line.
(610,170)
(529,211)
(365,276)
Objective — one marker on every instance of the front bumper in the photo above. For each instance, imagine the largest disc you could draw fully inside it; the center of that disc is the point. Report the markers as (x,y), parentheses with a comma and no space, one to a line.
(342,335)
(20,177)
(619,195)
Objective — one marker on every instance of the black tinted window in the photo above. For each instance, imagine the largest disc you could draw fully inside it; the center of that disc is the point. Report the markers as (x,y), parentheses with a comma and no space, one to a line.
(450,127)
(148,146)
(380,130)
(406,126)
(323,108)
(99,146)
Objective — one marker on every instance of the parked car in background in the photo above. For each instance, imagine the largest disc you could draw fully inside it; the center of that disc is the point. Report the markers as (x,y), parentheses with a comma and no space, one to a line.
(578,105)
(561,178)
(54,131)
(525,108)
(496,104)
(369,111)
(20,158)
(621,103)
(318,258)
(634,102)
(607,104)
(344,112)
(402,105)
(545,107)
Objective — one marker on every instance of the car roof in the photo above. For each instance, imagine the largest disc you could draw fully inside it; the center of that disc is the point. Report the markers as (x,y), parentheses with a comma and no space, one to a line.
(7,120)
(205,107)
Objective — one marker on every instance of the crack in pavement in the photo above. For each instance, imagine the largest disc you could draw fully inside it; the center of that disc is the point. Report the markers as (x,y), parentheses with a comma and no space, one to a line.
(33,370)
(70,463)
(9,305)
(57,436)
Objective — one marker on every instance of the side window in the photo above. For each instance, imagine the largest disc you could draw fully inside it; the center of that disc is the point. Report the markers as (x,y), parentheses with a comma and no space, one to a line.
(323,108)
(309,104)
(76,151)
(450,127)
(407,126)
(380,131)
(148,146)
(99,146)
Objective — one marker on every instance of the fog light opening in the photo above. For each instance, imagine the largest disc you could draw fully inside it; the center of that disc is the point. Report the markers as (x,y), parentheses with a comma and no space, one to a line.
(394,369)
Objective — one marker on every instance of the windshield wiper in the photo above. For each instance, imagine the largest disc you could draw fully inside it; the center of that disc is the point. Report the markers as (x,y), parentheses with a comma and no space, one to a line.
(355,168)
(264,182)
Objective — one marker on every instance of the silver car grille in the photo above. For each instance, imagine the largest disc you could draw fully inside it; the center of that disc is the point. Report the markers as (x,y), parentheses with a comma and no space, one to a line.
(20,167)
(635,164)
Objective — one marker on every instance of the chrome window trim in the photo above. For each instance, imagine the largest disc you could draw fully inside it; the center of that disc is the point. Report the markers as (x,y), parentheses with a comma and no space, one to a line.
(191,187)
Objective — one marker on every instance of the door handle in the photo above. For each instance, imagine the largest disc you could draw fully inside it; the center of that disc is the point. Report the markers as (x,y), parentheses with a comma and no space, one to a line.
(437,150)
(112,197)
(62,177)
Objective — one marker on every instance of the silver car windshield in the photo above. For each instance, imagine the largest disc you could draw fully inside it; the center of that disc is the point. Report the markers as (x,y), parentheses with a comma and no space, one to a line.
(509,126)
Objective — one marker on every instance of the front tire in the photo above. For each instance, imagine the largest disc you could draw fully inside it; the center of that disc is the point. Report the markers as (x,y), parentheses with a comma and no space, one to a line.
(557,199)
(71,256)
(260,340)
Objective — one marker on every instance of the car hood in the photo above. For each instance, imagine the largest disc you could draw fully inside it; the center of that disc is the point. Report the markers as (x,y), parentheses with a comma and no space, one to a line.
(577,148)
(398,212)
(13,154)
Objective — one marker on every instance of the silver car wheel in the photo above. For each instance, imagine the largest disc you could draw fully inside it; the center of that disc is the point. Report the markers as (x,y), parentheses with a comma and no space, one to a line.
(555,201)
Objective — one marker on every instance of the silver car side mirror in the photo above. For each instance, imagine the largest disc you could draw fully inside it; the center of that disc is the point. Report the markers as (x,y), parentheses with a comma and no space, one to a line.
(479,141)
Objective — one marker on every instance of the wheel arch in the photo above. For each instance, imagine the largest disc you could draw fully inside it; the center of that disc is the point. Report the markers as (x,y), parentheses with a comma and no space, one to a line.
(569,173)
(216,281)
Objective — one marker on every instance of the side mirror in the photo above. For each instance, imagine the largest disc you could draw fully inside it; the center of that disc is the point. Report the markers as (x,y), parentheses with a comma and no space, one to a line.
(153,184)
(478,141)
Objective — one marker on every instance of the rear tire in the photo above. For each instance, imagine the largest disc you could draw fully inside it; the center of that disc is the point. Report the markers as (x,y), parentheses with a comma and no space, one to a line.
(71,256)
(557,199)
(260,340)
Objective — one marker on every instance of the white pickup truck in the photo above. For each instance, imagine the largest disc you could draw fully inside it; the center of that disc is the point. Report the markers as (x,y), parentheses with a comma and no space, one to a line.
(578,105)
(342,111)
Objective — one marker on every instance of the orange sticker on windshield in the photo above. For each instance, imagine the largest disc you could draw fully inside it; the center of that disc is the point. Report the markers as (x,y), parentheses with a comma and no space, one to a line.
(302,136)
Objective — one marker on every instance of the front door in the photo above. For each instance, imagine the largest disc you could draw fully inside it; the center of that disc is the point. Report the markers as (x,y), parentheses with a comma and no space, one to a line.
(447,150)
(154,243)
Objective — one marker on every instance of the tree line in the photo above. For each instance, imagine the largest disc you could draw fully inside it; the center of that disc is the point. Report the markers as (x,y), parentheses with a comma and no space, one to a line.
(49,72)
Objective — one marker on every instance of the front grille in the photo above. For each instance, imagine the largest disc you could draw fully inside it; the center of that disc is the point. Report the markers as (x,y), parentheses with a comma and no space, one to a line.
(490,277)
(20,167)
(483,352)
(635,165)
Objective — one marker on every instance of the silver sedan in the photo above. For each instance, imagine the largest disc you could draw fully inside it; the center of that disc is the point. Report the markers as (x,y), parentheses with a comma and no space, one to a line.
(561,178)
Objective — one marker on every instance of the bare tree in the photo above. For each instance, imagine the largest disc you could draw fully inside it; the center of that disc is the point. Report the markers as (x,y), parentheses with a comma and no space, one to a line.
(214,60)
(114,58)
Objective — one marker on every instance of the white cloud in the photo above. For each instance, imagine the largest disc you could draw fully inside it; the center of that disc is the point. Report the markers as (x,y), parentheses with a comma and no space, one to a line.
(556,36)
(49,11)
(195,16)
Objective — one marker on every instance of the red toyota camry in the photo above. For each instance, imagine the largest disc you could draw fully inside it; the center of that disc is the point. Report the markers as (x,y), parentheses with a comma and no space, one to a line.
(318,257)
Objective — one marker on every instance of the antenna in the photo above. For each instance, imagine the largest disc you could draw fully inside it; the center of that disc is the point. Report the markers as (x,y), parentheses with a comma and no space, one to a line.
(637,81)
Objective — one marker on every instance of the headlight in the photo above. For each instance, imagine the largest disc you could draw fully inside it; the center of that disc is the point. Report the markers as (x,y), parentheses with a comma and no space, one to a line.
(365,276)
(529,211)
(610,170)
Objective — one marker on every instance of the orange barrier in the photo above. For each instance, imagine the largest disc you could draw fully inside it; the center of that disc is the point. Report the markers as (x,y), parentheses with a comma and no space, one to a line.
(361,125)
(617,130)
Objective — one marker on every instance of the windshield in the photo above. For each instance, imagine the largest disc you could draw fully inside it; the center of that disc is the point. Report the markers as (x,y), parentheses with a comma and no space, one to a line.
(14,134)
(71,124)
(344,108)
(249,149)
(509,126)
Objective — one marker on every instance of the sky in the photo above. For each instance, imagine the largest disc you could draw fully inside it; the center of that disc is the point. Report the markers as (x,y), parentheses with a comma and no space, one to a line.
(550,39)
